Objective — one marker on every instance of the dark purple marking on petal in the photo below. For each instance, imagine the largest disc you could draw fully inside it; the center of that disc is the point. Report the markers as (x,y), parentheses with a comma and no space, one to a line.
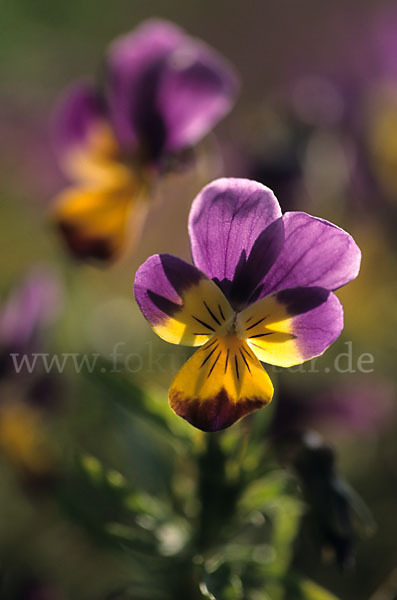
(160,283)
(165,90)
(317,318)
(301,300)
(215,413)
(226,219)
(251,271)
(84,247)
(315,253)
(135,63)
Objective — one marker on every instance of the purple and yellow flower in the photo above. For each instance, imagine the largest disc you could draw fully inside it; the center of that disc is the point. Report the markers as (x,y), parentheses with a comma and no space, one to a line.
(163,92)
(260,290)
(25,393)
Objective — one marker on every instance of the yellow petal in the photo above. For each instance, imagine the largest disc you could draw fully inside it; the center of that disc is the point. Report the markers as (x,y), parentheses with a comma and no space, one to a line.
(98,160)
(98,222)
(221,383)
(204,312)
(291,326)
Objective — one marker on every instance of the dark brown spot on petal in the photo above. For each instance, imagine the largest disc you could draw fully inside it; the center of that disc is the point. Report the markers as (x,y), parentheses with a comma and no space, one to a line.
(213,413)
(83,246)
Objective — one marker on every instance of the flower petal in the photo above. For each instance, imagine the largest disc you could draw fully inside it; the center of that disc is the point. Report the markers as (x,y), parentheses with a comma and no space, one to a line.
(135,63)
(315,253)
(83,136)
(250,272)
(221,383)
(97,222)
(165,90)
(32,305)
(289,327)
(182,305)
(226,219)
(197,89)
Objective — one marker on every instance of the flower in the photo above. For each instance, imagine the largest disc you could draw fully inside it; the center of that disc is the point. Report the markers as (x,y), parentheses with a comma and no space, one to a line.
(260,290)
(163,92)
(26,394)
(363,406)
(30,307)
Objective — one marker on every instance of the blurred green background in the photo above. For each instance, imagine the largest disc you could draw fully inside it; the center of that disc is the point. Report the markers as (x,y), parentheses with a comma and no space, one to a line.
(45,534)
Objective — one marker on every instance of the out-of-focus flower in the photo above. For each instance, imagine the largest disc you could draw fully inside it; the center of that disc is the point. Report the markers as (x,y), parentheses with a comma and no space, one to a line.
(23,393)
(295,143)
(260,290)
(361,407)
(164,91)
(33,588)
(276,156)
(31,306)
(375,108)
(336,513)
(23,437)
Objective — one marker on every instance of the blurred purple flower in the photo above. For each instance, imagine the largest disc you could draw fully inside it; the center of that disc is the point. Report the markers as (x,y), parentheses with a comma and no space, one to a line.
(336,515)
(34,304)
(296,142)
(24,392)
(163,92)
(29,309)
(360,407)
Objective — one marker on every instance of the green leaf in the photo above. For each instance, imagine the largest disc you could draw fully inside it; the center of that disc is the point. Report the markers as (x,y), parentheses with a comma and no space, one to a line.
(312,591)
(221,583)
(263,492)
(151,407)
(300,588)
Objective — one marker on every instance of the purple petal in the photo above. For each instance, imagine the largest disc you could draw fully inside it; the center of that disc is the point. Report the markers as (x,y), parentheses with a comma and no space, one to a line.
(160,283)
(182,305)
(135,63)
(250,272)
(78,112)
(32,305)
(315,253)
(226,218)
(291,326)
(165,89)
(197,89)
(317,318)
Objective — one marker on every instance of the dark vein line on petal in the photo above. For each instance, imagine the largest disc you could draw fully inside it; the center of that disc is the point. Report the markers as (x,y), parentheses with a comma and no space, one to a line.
(209,345)
(245,360)
(257,322)
(236,364)
(247,352)
(221,312)
(215,361)
(261,335)
(217,321)
(208,357)
(227,359)
(203,323)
